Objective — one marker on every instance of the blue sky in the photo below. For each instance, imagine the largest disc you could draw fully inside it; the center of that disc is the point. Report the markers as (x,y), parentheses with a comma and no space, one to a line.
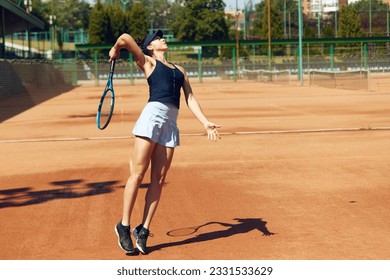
(240,3)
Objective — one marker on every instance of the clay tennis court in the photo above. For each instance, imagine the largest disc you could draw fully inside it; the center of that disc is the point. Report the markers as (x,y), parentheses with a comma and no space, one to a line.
(300,173)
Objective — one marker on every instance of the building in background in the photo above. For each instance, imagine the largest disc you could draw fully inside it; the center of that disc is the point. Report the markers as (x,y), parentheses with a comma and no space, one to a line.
(316,8)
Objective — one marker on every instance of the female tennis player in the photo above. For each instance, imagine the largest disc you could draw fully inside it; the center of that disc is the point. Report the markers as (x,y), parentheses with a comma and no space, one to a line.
(156,132)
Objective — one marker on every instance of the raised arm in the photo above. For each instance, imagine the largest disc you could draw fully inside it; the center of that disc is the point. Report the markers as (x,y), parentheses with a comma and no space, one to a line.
(125,41)
(194,106)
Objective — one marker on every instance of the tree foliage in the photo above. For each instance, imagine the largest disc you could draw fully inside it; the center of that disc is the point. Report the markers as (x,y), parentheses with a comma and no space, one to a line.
(378,16)
(41,11)
(108,22)
(349,24)
(276,23)
(205,20)
(199,20)
(98,28)
(261,18)
(72,14)
(137,21)
(117,21)
(69,14)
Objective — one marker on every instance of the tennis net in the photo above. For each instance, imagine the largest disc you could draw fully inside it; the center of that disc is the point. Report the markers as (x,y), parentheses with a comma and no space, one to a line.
(281,77)
(350,79)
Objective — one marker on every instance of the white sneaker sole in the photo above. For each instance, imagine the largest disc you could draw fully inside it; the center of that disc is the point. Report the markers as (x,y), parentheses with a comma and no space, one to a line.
(136,242)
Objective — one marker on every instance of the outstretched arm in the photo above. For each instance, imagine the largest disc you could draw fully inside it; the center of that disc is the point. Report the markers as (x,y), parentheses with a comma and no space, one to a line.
(194,106)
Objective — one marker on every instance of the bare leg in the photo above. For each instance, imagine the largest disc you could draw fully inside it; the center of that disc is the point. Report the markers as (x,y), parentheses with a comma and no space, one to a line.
(161,161)
(143,149)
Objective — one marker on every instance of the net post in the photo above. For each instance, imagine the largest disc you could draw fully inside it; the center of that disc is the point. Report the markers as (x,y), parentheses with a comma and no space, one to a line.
(365,51)
(131,65)
(300,29)
(95,60)
(234,65)
(200,64)
(331,54)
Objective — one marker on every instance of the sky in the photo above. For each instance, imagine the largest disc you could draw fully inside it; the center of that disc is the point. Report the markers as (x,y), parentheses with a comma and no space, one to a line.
(231,4)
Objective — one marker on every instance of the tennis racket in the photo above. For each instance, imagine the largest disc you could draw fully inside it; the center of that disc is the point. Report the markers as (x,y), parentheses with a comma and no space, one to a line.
(107,101)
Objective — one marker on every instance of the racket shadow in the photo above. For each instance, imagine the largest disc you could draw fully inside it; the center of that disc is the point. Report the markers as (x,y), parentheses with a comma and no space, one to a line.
(243,226)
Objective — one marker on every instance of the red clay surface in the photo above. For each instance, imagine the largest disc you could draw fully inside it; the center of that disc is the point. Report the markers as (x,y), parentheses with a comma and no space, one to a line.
(313,169)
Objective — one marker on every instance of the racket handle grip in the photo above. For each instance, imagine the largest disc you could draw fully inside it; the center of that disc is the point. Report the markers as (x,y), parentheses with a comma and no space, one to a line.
(112,66)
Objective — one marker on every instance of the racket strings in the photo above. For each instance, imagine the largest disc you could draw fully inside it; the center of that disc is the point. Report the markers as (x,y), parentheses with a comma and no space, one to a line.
(106,105)
(106,108)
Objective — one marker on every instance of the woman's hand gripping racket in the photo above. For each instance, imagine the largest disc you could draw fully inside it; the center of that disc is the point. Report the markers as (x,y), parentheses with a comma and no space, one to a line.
(107,101)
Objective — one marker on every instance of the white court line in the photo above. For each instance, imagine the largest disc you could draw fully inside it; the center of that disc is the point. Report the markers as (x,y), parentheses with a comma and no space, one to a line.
(323,130)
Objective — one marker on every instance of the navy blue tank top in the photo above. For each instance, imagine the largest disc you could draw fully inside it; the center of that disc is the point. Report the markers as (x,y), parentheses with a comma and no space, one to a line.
(165,84)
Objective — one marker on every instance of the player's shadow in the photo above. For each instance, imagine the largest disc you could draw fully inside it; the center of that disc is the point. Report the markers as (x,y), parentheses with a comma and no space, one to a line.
(243,226)
(64,190)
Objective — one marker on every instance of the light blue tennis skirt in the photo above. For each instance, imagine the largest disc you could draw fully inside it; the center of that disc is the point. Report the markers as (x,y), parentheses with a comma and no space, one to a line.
(158,122)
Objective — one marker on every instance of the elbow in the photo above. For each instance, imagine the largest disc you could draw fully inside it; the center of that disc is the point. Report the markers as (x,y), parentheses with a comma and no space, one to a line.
(124,38)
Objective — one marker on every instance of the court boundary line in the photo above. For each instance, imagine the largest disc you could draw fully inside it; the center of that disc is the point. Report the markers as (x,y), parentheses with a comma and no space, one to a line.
(264,132)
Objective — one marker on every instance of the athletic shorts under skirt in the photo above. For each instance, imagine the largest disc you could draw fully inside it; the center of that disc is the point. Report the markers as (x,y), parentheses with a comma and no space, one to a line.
(158,122)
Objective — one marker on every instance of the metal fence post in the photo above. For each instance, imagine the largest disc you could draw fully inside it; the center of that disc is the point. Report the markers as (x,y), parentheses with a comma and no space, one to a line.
(234,64)
(95,60)
(200,72)
(131,64)
(331,54)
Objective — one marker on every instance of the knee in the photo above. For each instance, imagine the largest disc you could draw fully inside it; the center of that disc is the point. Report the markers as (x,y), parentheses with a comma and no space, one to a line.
(159,177)
(137,177)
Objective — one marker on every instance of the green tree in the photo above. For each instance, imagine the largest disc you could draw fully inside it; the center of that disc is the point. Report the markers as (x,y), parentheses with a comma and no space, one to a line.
(72,14)
(200,20)
(378,16)
(159,14)
(349,27)
(99,25)
(276,25)
(137,21)
(117,25)
(41,11)
(308,32)
(261,12)
(349,24)
(328,31)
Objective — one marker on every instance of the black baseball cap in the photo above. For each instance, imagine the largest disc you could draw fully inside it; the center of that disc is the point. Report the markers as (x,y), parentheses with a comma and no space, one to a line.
(149,39)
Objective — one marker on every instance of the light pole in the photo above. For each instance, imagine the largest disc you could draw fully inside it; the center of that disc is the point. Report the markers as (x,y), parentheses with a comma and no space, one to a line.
(369,16)
(300,63)
(269,34)
(245,14)
(28,10)
(284,19)
(237,38)
(387,20)
(52,19)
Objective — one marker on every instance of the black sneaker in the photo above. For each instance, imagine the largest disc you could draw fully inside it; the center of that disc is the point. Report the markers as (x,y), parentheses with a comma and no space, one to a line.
(124,239)
(141,234)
